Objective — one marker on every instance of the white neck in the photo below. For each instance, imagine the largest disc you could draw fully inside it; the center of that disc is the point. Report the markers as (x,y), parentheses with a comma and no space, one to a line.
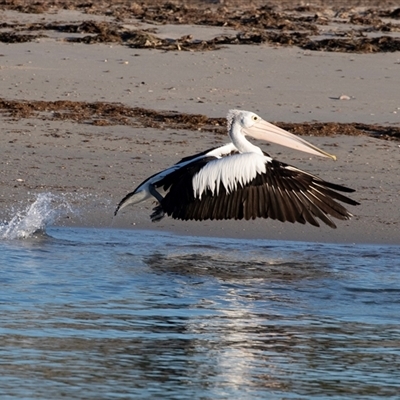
(240,141)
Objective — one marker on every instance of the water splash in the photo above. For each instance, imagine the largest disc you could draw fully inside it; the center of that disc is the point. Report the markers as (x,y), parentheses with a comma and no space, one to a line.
(34,219)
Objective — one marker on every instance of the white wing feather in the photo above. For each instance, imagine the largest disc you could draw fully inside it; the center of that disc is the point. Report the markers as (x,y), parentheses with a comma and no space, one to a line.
(229,172)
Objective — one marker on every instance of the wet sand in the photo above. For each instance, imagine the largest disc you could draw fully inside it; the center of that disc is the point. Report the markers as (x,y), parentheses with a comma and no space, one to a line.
(92,118)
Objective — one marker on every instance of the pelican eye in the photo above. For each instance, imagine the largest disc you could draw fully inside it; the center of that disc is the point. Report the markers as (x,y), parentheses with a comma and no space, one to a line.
(254,118)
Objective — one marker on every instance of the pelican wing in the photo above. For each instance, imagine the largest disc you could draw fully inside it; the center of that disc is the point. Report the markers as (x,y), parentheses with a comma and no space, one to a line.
(229,188)
(166,177)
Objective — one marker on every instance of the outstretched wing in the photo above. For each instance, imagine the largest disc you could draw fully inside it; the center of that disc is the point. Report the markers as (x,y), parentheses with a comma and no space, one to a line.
(232,189)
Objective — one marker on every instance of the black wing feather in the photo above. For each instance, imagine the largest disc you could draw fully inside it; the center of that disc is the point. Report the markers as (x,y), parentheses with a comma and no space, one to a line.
(282,192)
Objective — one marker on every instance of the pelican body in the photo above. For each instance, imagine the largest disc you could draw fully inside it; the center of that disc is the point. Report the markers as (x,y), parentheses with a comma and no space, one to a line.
(240,181)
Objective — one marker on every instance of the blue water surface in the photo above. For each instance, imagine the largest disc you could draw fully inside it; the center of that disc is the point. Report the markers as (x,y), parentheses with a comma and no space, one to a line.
(129,314)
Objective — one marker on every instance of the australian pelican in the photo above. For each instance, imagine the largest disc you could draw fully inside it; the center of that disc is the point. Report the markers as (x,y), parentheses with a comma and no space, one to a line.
(239,180)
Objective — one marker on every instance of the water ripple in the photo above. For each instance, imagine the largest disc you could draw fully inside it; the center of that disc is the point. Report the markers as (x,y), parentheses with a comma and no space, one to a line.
(107,314)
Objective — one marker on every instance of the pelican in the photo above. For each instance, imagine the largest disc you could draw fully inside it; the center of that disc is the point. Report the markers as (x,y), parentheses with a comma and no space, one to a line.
(238,180)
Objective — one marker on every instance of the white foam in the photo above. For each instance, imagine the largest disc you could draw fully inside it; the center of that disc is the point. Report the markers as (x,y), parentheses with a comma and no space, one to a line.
(34,218)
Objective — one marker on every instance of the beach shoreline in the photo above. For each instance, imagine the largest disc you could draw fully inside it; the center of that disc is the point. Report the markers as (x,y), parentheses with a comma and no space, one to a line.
(91,160)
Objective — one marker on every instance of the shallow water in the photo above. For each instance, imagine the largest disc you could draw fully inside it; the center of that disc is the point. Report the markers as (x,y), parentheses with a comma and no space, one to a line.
(106,313)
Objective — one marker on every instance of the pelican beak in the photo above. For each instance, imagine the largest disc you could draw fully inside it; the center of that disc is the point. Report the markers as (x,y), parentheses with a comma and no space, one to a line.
(265,131)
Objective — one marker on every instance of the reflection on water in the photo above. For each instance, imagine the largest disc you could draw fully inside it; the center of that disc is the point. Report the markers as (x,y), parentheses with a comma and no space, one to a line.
(103,314)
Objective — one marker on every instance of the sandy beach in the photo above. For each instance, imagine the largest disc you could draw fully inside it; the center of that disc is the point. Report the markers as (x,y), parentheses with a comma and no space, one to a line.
(89,119)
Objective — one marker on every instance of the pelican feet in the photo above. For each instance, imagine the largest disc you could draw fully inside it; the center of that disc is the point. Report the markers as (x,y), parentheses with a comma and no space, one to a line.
(157,214)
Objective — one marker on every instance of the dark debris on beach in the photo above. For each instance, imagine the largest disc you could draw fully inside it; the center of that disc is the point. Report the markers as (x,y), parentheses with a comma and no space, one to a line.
(103,114)
(370,29)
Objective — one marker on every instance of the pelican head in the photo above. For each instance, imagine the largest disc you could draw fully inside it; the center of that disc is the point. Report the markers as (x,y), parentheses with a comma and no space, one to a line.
(253,125)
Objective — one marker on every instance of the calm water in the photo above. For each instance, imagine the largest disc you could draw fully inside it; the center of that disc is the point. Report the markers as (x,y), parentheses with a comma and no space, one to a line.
(113,314)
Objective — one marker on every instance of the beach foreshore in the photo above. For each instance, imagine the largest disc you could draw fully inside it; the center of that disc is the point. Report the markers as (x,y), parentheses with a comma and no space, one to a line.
(92,162)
